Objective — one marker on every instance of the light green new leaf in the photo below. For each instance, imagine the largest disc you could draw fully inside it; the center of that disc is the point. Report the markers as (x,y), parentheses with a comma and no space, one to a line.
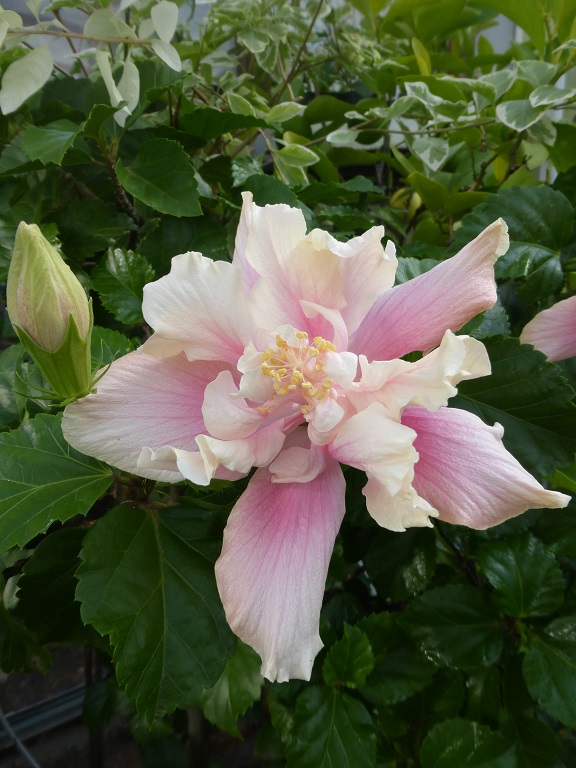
(162,177)
(105,23)
(24,77)
(43,479)
(147,580)
(331,730)
(284,111)
(164,16)
(296,156)
(49,143)
(237,689)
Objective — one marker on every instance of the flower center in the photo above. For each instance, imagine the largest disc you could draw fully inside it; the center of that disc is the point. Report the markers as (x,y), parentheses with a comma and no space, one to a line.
(298,370)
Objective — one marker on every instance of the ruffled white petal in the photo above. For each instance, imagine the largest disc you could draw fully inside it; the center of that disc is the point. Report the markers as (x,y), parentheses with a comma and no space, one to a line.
(397,513)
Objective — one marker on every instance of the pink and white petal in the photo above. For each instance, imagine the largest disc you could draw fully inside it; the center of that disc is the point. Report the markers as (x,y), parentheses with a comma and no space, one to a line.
(249,274)
(341,368)
(371,441)
(200,305)
(272,570)
(141,401)
(428,382)
(397,513)
(257,450)
(299,464)
(553,331)
(226,415)
(191,465)
(465,472)
(415,315)
(326,415)
(327,323)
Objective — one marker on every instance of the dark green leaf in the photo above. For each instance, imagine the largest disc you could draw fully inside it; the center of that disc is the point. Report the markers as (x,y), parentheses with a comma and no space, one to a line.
(401,564)
(536,744)
(210,123)
(491,322)
(10,408)
(532,401)
(20,651)
(237,689)
(46,589)
(456,626)
(410,267)
(527,579)
(49,143)
(147,580)
(457,743)
(107,345)
(162,177)
(43,479)
(120,280)
(400,669)
(350,660)
(550,669)
(557,530)
(331,730)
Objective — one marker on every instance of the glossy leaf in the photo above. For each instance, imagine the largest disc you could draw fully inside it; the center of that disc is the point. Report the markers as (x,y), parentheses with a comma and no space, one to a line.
(120,280)
(350,660)
(456,743)
(147,580)
(400,564)
(43,479)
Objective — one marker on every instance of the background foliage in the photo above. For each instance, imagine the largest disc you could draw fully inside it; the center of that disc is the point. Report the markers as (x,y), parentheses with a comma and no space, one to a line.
(444,648)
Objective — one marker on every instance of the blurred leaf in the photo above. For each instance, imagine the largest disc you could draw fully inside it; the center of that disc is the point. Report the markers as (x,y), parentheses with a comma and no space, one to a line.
(557,529)
(10,403)
(456,626)
(20,651)
(162,177)
(350,660)
(400,564)
(296,156)
(432,151)
(46,589)
(147,580)
(237,689)
(43,479)
(536,744)
(550,669)
(532,401)
(331,730)
(280,113)
(24,77)
(456,743)
(527,579)
(518,114)
(209,123)
(120,280)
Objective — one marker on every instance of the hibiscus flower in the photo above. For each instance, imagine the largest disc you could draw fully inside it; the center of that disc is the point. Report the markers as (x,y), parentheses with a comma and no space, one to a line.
(553,331)
(288,359)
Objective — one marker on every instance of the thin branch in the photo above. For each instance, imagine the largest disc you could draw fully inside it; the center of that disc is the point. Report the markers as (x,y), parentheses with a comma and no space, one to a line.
(92,38)
(16,741)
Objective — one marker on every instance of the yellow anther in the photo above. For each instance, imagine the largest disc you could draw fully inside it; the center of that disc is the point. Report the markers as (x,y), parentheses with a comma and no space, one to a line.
(292,387)
(312,392)
(280,342)
(327,385)
(296,377)
(306,409)
(313,352)
(282,391)
(306,385)
(280,372)
(263,408)
(301,335)
(318,367)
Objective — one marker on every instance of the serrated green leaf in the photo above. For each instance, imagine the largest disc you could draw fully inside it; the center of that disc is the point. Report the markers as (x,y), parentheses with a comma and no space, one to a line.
(527,579)
(532,401)
(108,345)
(49,143)
(237,689)
(46,589)
(162,177)
(456,743)
(331,730)
(455,626)
(43,479)
(491,322)
(120,281)
(350,660)
(147,580)
(400,668)
(400,565)
(550,669)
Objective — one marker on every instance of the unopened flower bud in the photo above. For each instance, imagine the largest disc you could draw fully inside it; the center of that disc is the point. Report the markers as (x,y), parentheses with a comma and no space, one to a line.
(50,312)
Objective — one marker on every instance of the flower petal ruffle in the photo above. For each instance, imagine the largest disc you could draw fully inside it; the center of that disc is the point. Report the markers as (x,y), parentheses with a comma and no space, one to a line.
(553,331)
(465,472)
(272,570)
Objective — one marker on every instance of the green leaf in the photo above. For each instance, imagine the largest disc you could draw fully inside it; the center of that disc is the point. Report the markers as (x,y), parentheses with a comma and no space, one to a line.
(432,192)
(536,744)
(46,589)
(400,564)
(518,114)
(255,41)
(209,123)
(24,77)
(49,143)
(532,401)
(43,479)
(432,151)
(296,156)
(105,23)
(108,345)
(400,668)
(491,322)
(280,113)
(455,626)
(350,660)
(120,280)
(147,580)
(237,689)
(550,669)
(527,579)
(456,743)
(162,177)
(239,105)
(422,57)
(547,95)
(10,405)
(557,529)
(331,730)
(20,651)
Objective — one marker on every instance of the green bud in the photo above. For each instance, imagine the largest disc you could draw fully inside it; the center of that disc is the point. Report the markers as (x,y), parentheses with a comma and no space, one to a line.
(50,312)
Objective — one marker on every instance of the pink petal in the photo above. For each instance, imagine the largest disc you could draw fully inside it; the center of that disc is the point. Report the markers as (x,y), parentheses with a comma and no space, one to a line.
(553,331)
(272,570)
(141,401)
(257,450)
(465,472)
(371,441)
(415,315)
(298,464)
(226,415)
(199,308)
(249,274)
